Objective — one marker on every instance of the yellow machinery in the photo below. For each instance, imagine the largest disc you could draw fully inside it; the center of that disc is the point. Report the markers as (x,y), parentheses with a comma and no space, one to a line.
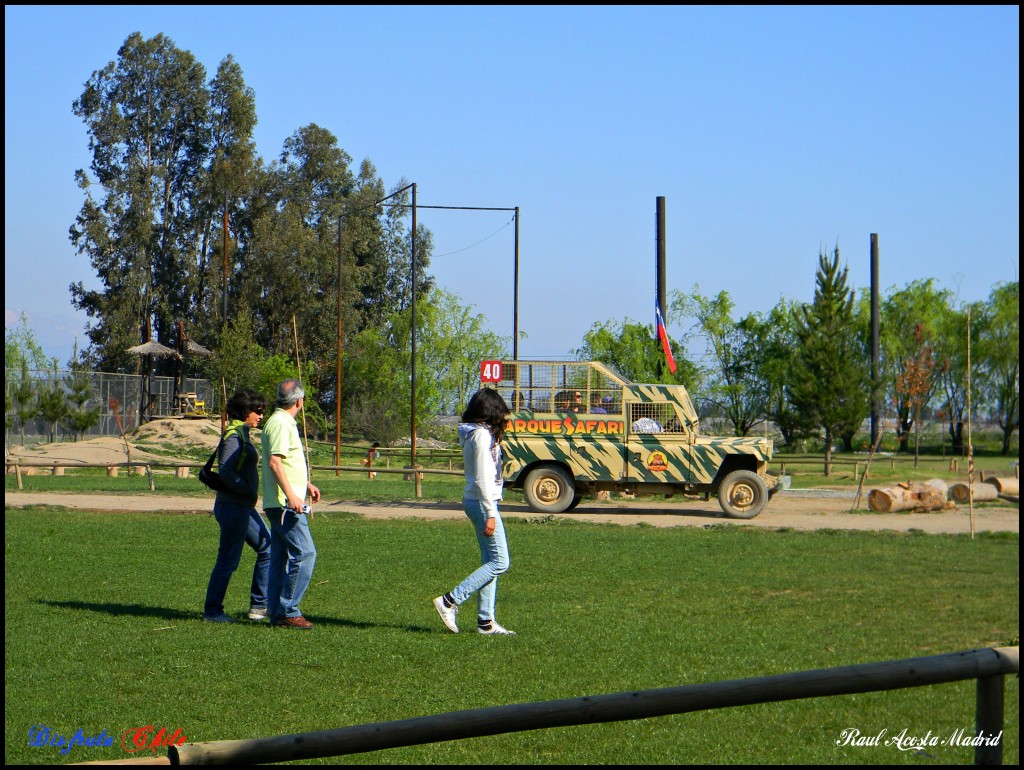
(190,405)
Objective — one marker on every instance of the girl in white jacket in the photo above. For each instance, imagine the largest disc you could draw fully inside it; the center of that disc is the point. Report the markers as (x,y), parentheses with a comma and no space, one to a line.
(480,435)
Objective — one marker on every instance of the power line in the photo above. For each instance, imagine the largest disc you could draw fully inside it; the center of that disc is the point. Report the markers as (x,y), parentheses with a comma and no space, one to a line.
(449,253)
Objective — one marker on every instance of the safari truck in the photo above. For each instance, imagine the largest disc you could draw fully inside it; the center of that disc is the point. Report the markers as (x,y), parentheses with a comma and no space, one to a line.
(578,428)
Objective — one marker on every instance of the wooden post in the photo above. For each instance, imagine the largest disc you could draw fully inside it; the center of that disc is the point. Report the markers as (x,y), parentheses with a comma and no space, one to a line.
(57,470)
(988,721)
(17,472)
(112,470)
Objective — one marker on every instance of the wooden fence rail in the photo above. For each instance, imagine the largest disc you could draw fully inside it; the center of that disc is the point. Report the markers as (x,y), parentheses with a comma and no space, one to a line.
(146,468)
(988,666)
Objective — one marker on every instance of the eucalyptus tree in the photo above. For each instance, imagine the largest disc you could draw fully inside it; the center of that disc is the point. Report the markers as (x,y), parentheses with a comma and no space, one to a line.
(830,378)
(233,172)
(147,115)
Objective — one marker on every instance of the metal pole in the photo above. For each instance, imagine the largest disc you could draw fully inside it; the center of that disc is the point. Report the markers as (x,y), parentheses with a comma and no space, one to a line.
(412,452)
(661,259)
(875,415)
(659,272)
(515,299)
(337,379)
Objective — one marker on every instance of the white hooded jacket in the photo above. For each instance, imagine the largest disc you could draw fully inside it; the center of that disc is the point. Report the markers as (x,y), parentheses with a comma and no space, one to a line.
(481,456)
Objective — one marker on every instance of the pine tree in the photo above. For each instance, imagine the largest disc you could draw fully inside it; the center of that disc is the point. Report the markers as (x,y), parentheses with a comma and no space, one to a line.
(830,381)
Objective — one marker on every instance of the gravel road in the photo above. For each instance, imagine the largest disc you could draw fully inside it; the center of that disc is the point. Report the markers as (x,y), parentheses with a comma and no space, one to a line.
(794,509)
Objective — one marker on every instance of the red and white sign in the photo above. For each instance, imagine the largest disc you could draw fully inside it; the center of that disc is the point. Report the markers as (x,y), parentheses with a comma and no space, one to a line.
(490,371)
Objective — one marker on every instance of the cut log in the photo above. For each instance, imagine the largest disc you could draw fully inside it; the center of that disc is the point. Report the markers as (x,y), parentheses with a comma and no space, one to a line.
(1004,486)
(980,492)
(927,496)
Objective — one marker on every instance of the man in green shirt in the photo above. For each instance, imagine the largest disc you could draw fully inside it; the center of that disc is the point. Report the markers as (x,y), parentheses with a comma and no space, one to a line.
(285,484)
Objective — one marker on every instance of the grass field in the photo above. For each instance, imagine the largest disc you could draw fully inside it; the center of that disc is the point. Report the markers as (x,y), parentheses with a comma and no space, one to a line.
(103,632)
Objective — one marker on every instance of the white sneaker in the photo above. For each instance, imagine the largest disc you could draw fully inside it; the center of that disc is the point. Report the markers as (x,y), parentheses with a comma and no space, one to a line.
(447,614)
(257,613)
(494,628)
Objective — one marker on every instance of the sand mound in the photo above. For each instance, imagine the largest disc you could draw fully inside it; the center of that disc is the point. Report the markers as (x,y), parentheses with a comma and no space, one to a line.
(172,436)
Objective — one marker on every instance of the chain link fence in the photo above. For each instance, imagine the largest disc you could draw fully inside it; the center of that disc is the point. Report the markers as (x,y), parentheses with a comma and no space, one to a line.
(129,390)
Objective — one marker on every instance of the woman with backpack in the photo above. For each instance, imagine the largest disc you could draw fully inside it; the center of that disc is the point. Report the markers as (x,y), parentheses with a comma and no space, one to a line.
(235,510)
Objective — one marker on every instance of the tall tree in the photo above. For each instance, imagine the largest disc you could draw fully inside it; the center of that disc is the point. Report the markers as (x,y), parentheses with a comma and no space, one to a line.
(951,371)
(147,117)
(24,394)
(628,348)
(233,172)
(830,377)
(919,306)
(52,402)
(737,386)
(999,354)
(916,382)
(776,365)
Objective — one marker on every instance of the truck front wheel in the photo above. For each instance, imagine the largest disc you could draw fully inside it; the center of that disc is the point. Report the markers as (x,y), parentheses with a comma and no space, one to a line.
(549,489)
(742,495)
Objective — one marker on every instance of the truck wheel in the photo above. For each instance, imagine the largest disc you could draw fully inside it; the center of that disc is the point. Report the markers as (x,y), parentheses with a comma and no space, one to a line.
(549,489)
(742,495)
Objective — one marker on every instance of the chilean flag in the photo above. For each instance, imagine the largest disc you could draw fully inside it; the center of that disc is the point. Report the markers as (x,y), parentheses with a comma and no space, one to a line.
(663,336)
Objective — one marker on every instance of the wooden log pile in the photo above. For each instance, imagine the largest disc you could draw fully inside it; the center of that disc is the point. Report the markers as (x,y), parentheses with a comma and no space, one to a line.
(907,496)
(962,493)
(1008,488)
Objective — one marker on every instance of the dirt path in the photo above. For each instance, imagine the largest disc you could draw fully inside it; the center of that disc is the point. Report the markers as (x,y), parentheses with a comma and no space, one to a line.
(801,510)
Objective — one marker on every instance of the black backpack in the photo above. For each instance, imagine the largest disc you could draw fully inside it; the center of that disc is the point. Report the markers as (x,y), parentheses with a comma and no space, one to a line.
(209,476)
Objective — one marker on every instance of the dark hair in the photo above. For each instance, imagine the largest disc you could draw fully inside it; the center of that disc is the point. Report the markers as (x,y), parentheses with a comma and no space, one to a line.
(243,402)
(487,407)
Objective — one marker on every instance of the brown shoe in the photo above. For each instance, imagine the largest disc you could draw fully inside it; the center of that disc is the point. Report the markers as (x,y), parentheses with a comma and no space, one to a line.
(296,622)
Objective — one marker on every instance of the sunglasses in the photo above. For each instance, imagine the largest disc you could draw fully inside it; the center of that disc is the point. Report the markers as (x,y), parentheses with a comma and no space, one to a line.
(258,411)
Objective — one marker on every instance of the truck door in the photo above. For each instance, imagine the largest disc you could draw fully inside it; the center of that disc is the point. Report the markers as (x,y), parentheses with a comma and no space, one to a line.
(657,446)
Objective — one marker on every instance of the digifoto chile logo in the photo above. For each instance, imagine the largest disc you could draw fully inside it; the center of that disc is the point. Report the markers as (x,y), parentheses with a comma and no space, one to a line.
(136,739)
(41,736)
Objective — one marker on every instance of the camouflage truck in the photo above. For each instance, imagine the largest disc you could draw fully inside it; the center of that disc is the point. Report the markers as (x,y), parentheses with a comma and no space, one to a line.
(578,428)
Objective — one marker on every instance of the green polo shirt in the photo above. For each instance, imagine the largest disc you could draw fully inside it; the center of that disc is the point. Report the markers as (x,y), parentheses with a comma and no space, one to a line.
(281,437)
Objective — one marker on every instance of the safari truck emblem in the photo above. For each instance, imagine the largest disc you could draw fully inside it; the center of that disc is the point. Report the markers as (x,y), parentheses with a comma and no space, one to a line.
(656,462)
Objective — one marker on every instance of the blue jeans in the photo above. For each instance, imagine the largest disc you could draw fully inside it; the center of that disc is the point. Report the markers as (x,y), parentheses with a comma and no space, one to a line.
(292,556)
(239,524)
(494,555)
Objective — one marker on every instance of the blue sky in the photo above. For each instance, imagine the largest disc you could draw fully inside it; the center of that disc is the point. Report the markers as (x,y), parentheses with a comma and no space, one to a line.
(772,133)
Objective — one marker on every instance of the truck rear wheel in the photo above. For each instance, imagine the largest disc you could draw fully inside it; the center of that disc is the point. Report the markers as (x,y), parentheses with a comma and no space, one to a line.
(742,495)
(549,489)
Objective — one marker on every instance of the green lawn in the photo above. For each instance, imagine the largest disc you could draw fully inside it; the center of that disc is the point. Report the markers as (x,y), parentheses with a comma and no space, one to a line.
(103,633)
